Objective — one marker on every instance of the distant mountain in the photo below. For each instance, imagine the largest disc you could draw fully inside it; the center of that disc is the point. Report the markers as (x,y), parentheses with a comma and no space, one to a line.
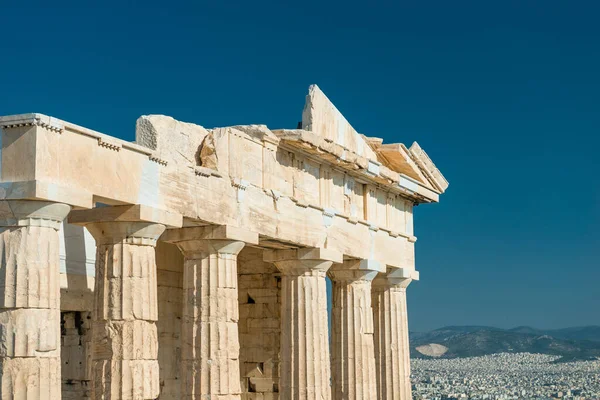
(591,332)
(468,341)
(468,328)
(527,329)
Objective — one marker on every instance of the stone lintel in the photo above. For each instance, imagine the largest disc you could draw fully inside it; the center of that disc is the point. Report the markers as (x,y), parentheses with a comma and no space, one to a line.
(403,273)
(304,254)
(360,265)
(45,191)
(126,213)
(210,232)
(180,190)
(356,270)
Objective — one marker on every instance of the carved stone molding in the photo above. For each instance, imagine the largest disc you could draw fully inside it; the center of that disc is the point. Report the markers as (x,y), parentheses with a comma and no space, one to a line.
(49,123)
(109,145)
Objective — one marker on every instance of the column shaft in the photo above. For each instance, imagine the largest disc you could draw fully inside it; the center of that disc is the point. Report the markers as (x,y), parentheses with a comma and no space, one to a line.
(305,370)
(210,342)
(304,356)
(353,356)
(30,299)
(392,352)
(125,341)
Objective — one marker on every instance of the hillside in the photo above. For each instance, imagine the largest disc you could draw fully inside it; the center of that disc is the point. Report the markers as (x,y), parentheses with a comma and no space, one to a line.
(471,341)
(591,333)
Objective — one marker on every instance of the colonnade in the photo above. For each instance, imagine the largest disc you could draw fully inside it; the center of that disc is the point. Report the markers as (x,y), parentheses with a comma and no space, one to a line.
(369,340)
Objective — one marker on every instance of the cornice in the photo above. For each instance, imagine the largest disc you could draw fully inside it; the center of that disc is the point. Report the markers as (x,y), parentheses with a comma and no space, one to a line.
(370,171)
(109,144)
(155,158)
(16,121)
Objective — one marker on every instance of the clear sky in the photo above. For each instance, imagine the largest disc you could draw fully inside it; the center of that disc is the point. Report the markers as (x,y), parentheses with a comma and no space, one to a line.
(503,95)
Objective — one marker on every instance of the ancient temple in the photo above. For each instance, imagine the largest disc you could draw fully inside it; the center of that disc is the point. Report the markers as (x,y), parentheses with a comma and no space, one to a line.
(192,264)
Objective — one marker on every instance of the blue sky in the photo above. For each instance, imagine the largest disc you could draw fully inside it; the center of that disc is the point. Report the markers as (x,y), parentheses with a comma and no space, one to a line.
(503,95)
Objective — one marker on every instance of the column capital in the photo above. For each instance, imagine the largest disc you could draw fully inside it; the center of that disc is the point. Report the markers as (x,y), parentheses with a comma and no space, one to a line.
(223,239)
(356,270)
(395,278)
(133,224)
(32,213)
(299,261)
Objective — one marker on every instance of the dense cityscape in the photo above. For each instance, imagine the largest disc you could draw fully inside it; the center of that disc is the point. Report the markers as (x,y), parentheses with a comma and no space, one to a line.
(505,376)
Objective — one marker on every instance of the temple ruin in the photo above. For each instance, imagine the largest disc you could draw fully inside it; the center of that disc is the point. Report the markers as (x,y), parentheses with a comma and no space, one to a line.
(192,263)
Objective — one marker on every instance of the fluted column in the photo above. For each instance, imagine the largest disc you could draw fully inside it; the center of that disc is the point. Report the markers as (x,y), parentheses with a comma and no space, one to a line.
(124,334)
(30,299)
(353,356)
(392,351)
(210,350)
(304,355)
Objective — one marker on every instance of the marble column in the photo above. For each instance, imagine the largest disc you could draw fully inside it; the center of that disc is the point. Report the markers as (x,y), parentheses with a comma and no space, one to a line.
(304,355)
(353,356)
(392,352)
(210,350)
(124,333)
(30,299)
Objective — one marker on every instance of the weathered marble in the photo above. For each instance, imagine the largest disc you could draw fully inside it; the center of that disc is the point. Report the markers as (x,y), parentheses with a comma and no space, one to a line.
(294,204)
(124,333)
(210,364)
(353,354)
(169,263)
(259,325)
(392,352)
(305,365)
(76,355)
(30,299)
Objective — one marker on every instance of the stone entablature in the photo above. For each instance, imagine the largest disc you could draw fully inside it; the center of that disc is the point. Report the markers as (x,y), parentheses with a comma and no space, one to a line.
(322,200)
(283,177)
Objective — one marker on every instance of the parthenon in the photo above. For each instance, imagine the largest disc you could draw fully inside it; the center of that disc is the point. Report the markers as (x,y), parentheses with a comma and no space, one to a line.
(193,262)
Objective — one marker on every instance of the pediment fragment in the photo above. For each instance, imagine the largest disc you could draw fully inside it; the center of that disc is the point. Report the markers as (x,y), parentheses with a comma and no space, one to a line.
(429,168)
(398,158)
(322,117)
